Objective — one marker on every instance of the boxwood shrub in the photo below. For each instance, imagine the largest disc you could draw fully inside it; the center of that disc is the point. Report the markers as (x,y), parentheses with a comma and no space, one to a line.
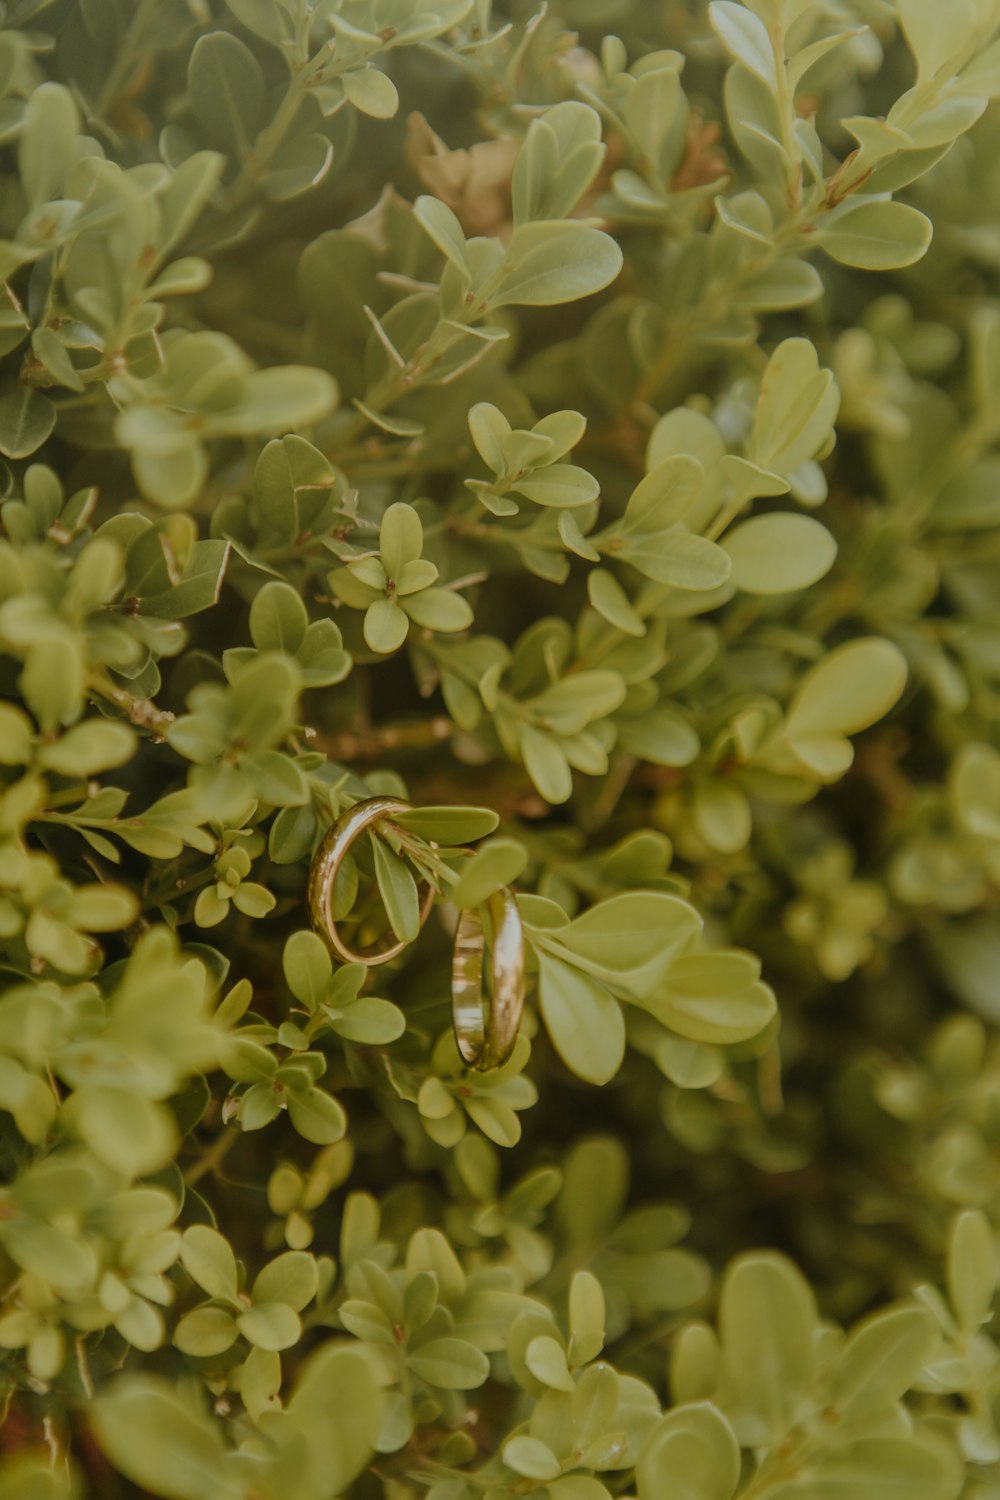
(581,423)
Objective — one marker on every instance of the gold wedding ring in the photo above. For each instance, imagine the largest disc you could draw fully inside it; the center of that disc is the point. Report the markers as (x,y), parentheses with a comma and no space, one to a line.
(326,864)
(486,1042)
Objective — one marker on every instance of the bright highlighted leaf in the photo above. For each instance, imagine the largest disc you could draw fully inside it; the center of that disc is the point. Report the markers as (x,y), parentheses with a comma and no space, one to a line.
(767,1324)
(851,688)
(877,236)
(583,1019)
(691,1454)
(779,553)
(555,263)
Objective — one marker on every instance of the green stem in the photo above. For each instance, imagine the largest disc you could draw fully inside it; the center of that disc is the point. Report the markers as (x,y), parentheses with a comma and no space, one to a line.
(268,143)
(70,796)
(786,112)
(368,744)
(216,1153)
(140,711)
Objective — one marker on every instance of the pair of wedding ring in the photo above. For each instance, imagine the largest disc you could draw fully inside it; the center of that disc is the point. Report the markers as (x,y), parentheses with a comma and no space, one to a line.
(485,1034)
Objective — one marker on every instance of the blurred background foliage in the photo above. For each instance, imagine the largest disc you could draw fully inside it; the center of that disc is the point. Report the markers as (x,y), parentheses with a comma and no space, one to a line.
(581,421)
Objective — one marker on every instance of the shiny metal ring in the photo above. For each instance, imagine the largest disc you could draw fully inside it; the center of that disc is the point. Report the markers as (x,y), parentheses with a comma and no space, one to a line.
(486,1042)
(323,874)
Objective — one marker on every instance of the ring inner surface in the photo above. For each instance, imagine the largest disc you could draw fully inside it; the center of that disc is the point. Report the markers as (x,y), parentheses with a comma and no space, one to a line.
(327,863)
(467,986)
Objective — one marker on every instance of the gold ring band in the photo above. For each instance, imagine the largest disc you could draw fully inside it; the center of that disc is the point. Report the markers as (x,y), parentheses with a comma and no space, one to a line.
(487,1043)
(326,864)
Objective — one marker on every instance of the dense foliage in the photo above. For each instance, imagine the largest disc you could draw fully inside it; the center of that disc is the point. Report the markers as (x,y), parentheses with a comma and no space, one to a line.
(590,438)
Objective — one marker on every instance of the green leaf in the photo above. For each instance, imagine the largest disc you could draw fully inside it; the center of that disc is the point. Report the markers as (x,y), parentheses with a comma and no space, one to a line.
(679,559)
(198,587)
(340,1379)
(208,1259)
(767,1325)
(497,863)
(171,476)
(559,158)
(49,349)
(694,1363)
(298,165)
(781,285)
(307,967)
(848,690)
(583,1019)
(878,235)
(370,1021)
(16,737)
(691,1065)
(85,749)
(278,618)
(660,736)
(322,657)
(182,277)
(558,485)
(264,19)
(531,1457)
(48,144)
(438,609)
(292,835)
(385,627)
(449,826)
(880,1468)
(546,1359)
(570,704)
(50,1254)
(972,1269)
(253,900)
(636,932)
(882,1359)
(161,1441)
(610,600)
(371,91)
(291,479)
(398,890)
(190,186)
(722,815)
(450,1364)
(586,1317)
(270,1325)
(226,91)
(796,410)
(578,1487)
(205,1332)
(779,553)
(400,538)
(546,764)
(131,1134)
(745,38)
(276,778)
(489,428)
(260,1381)
(714,998)
(291,1278)
(443,227)
(317,1116)
(497,1120)
(665,496)
(281,398)
(692,1454)
(936,36)
(26,420)
(548,264)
